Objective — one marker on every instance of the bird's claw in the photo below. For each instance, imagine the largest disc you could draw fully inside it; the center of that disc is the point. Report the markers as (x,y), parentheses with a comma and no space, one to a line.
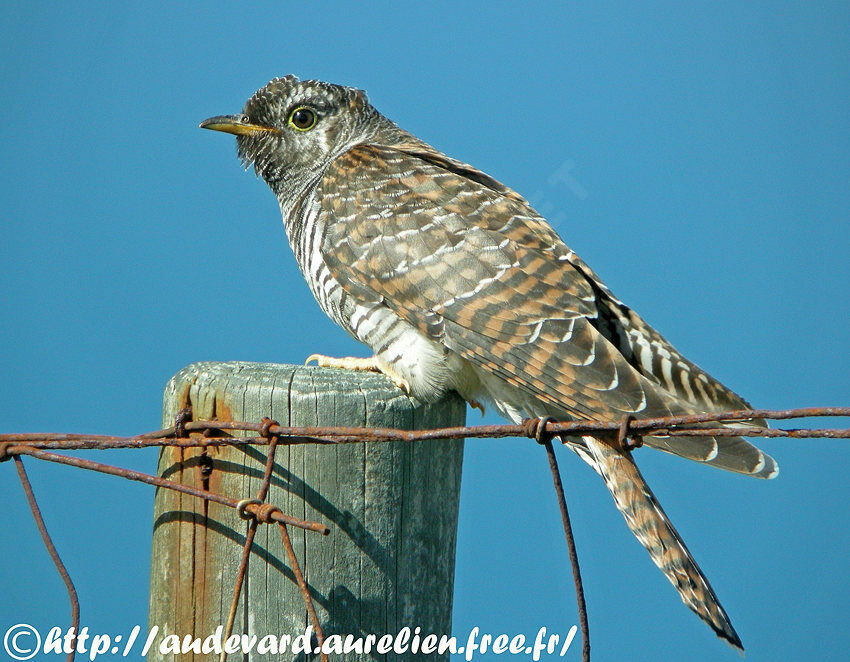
(477,405)
(399,382)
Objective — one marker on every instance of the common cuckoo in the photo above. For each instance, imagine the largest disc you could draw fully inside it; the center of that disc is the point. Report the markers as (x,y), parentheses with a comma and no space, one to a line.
(456,283)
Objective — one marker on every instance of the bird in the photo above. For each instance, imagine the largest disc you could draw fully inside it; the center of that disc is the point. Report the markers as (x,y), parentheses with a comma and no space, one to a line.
(456,283)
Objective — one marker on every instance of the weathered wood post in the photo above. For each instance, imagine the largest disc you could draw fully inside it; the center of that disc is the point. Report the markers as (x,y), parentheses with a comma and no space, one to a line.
(391,507)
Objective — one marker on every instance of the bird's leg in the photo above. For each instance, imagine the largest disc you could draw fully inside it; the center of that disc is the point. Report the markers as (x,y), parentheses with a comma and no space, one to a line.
(371,364)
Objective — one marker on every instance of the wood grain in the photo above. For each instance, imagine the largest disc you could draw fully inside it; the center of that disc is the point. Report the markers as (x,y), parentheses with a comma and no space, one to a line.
(391,507)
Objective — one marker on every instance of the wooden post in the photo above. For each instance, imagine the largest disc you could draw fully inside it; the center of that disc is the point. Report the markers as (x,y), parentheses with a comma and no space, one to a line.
(391,507)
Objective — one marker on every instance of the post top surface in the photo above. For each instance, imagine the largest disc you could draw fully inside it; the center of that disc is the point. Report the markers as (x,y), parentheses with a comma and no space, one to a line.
(231,376)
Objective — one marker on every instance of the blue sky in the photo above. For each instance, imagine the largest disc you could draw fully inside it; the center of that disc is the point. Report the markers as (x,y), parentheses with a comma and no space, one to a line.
(708,154)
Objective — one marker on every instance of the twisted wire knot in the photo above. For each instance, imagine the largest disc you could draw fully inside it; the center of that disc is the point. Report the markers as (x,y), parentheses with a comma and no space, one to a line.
(262,512)
(265,428)
(535,428)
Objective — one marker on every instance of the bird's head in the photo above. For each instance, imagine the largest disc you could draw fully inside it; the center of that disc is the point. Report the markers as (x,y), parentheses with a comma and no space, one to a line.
(290,128)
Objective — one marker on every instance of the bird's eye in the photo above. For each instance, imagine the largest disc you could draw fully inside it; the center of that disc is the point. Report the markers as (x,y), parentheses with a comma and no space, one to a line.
(302,118)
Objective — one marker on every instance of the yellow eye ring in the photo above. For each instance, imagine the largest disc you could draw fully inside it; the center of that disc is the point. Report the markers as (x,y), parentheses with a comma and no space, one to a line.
(302,118)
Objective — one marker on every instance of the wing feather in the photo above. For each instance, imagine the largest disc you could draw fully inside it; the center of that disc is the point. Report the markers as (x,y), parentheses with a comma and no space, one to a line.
(469,263)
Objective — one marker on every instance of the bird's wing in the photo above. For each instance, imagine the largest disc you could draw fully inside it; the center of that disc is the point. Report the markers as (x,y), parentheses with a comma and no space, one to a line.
(470,264)
(642,346)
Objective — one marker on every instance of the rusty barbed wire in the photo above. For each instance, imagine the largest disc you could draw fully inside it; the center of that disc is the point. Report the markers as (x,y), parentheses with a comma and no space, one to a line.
(263,514)
(628,432)
(138,476)
(254,521)
(51,549)
(536,428)
(690,425)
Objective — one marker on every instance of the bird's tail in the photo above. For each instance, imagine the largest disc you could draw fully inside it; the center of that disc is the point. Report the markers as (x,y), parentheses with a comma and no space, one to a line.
(654,530)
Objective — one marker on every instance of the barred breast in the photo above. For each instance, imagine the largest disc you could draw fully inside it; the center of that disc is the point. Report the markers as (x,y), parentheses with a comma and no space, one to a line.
(427,366)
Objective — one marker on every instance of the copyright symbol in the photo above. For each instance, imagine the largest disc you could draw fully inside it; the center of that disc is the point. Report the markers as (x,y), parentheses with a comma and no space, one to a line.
(18,641)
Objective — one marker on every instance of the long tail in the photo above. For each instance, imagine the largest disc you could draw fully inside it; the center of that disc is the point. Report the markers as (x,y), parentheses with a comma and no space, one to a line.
(654,530)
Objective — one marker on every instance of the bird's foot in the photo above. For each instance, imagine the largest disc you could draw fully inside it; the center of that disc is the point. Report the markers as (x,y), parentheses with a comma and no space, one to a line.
(370,364)
(477,405)
(398,380)
(628,442)
(345,362)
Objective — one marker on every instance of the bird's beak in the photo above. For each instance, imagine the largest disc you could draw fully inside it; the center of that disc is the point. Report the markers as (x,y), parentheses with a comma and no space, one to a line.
(236,125)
